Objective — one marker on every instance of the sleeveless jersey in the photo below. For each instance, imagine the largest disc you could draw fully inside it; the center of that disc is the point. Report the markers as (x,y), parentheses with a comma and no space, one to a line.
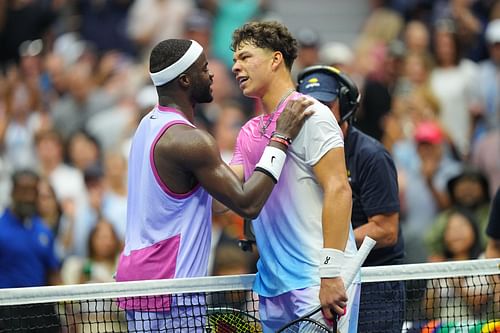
(168,234)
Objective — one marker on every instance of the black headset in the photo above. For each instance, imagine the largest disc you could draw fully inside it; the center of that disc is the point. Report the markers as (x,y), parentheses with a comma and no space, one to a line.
(348,94)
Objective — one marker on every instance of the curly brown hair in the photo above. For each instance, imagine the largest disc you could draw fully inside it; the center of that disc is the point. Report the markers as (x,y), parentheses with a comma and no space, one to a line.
(270,35)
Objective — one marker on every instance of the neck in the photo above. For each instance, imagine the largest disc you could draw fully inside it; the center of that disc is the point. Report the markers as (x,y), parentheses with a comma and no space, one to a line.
(278,91)
(183,106)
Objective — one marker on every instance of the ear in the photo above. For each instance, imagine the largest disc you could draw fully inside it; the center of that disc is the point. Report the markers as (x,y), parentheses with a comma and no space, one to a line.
(184,80)
(277,60)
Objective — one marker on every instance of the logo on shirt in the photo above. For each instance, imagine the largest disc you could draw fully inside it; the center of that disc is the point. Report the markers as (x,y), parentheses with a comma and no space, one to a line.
(327,259)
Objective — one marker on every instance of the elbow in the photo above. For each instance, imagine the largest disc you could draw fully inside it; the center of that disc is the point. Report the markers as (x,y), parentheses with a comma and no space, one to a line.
(391,239)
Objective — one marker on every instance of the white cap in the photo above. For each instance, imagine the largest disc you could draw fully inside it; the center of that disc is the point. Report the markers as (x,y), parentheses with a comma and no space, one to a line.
(334,53)
(493,32)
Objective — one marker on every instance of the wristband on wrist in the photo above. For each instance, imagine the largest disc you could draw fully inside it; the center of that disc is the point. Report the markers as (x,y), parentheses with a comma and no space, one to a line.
(282,137)
(283,142)
(331,263)
(272,162)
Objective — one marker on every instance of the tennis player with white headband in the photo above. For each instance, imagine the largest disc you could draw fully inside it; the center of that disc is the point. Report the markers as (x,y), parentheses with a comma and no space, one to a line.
(174,171)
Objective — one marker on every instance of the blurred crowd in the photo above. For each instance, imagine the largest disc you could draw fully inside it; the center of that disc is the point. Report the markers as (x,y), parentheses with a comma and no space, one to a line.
(74,83)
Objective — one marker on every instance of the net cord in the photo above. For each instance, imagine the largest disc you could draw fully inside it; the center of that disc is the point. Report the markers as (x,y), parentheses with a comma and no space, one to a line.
(34,295)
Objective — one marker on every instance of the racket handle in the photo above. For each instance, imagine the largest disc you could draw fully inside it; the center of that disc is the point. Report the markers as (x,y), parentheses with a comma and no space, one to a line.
(353,265)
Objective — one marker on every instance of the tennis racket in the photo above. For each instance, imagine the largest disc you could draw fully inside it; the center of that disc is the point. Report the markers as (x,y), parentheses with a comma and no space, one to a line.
(307,323)
(230,320)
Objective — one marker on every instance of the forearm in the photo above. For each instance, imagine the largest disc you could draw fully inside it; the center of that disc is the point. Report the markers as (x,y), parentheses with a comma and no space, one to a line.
(383,228)
(336,217)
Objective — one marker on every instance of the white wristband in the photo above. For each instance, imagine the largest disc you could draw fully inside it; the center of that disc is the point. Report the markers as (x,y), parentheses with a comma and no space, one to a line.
(331,263)
(272,161)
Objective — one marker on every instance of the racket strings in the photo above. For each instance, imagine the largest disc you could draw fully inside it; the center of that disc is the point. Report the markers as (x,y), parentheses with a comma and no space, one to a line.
(306,325)
(232,323)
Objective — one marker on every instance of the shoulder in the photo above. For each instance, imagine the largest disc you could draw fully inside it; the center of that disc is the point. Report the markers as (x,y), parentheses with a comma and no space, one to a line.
(184,136)
(186,145)
(321,111)
(366,147)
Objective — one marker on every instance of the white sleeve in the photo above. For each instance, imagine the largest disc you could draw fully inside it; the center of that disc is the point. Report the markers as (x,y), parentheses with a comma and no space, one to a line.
(319,134)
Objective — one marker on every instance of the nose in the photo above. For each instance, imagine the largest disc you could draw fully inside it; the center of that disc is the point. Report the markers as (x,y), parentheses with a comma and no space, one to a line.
(236,67)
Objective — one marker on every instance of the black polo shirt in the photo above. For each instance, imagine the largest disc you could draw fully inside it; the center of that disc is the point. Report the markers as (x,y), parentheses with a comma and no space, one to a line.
(373,179)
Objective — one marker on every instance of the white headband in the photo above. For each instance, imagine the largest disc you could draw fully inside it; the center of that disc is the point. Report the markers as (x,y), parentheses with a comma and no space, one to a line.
(178,67)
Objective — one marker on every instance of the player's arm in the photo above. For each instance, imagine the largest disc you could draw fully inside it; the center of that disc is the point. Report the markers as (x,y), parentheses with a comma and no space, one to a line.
(196,152)
(200,155)
(383,228)
(217,206)
(331,174)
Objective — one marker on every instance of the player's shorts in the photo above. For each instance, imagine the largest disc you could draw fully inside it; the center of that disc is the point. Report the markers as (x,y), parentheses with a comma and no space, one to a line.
(183,316)
(276,312)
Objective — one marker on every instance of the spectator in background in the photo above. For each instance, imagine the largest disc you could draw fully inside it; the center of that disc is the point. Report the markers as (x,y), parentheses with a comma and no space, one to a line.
(468,190)
(198,27)
(115,194)
(98,266)
(460,299)
(227,127)
(66,180)
(230,260)
(102,204)
(59,217)
(28,257)
(104,24)
(150,21)
(309,44)
(486,157)
(489,85)
(423,186)
(73,110)
(83,150)
(27,245)
(454,81)
(104,247)
(461,237)
(338,55)
(416,37)
(376,94)
(16,140)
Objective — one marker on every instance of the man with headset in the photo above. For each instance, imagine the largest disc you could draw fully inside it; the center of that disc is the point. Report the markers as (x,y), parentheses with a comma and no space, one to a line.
(375,203)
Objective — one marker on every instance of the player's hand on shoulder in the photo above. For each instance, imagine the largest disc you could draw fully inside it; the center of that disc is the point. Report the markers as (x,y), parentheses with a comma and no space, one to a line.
(293,116)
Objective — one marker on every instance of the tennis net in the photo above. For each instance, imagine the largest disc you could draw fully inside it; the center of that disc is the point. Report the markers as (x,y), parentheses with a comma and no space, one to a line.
(461,296)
